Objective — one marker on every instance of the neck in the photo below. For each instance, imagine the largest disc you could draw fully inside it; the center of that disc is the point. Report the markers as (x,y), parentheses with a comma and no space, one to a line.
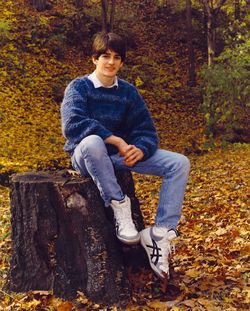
(106,81)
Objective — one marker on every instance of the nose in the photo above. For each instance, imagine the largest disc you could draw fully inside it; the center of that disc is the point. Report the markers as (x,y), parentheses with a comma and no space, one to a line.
(111,60)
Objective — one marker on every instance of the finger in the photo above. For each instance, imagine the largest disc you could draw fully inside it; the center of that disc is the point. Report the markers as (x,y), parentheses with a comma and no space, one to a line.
(132,157)
(130,147)
(130,164)
(131,152)
(132,160)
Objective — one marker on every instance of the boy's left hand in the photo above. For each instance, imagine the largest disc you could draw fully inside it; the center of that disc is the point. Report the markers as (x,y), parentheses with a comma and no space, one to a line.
(132,155)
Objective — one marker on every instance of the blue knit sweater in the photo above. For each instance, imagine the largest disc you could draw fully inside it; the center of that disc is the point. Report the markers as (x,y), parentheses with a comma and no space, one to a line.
(121,111)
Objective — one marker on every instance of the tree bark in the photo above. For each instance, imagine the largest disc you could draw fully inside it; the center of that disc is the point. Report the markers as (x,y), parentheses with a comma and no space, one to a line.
(40,5)
(210,33)
(105,15)
(112,15)
(211,13)
(191,55)
(237,9)
(79,4)
(210,38)
(63,238)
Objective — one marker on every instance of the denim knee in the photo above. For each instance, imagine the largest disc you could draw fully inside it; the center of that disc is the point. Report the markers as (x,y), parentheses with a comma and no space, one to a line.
(179,163)
(93,146)
(183,163)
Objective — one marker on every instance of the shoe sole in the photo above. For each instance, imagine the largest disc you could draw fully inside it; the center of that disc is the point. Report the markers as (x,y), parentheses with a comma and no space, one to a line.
(131,241)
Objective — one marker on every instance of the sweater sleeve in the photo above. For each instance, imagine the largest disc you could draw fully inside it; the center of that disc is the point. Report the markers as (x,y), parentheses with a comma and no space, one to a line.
(141,130)
(76,121)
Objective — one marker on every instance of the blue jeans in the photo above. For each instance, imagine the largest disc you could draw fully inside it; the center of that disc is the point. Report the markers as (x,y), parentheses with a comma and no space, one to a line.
(91,158)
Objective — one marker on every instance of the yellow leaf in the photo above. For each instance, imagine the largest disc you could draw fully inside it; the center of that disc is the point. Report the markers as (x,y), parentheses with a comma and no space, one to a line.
(207,303)
(221,231)
(192,273)
(157,305)
(31,304)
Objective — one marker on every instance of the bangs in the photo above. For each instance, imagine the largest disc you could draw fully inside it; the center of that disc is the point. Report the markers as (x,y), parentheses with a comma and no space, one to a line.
(108,41)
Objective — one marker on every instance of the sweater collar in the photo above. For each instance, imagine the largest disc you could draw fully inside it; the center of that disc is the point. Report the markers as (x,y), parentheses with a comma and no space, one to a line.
(97,83)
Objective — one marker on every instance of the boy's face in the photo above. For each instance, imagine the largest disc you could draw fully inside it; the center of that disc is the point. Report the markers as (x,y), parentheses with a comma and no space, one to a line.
(108,64)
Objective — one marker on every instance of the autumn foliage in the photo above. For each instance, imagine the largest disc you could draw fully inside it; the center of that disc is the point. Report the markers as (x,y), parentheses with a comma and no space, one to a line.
(40,52)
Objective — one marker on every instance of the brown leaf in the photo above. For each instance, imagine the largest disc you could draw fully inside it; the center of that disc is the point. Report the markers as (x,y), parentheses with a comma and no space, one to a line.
(65,306)
(189,303)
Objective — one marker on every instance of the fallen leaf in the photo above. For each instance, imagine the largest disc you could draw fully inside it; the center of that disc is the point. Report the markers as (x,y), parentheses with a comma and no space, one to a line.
(65,306)
(221,231)
(193,273)
(189,303)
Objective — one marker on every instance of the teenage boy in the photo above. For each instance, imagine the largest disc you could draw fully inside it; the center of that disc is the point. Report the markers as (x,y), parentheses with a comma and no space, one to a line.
(107,125)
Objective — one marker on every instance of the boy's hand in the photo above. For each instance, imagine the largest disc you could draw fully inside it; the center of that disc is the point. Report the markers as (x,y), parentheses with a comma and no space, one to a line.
(122,147)
(118,142)
(132,155)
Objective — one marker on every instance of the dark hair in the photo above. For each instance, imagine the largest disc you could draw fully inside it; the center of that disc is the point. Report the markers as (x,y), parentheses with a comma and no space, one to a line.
(108,41)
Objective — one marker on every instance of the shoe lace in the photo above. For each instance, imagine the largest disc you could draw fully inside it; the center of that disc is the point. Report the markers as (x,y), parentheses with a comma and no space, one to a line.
(123,218)
(128,218)
(167,248)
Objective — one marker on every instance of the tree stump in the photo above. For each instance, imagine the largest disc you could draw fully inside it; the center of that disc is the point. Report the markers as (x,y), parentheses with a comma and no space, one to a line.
(63,238)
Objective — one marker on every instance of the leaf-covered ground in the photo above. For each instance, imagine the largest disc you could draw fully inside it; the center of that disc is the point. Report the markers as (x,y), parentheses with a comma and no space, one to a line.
(210,266)
(211,263)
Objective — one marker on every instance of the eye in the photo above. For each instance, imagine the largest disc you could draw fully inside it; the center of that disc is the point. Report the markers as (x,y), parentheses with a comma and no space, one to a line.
(118,57)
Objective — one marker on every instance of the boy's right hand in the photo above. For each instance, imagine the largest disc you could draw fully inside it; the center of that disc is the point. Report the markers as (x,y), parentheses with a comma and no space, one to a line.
(131,153)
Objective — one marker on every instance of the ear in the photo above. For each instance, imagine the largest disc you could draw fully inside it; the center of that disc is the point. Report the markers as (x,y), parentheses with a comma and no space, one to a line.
(94,60)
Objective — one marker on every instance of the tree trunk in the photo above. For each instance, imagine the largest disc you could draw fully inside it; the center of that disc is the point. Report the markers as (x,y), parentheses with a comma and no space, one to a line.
(211,14)
(40,5)
(210,32)
(191,56)
(79,4)
(112,15)
(210,39)
(237,9)
(105,15)
(63,238)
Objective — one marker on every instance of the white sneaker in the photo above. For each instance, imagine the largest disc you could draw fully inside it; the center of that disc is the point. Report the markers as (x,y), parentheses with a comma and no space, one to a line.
(157,243)
(125,228)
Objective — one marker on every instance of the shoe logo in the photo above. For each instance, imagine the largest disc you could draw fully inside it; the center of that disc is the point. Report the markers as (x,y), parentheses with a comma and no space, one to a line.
(155,254)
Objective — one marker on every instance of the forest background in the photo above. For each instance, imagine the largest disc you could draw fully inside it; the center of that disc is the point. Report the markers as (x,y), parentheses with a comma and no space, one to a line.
(190,60)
